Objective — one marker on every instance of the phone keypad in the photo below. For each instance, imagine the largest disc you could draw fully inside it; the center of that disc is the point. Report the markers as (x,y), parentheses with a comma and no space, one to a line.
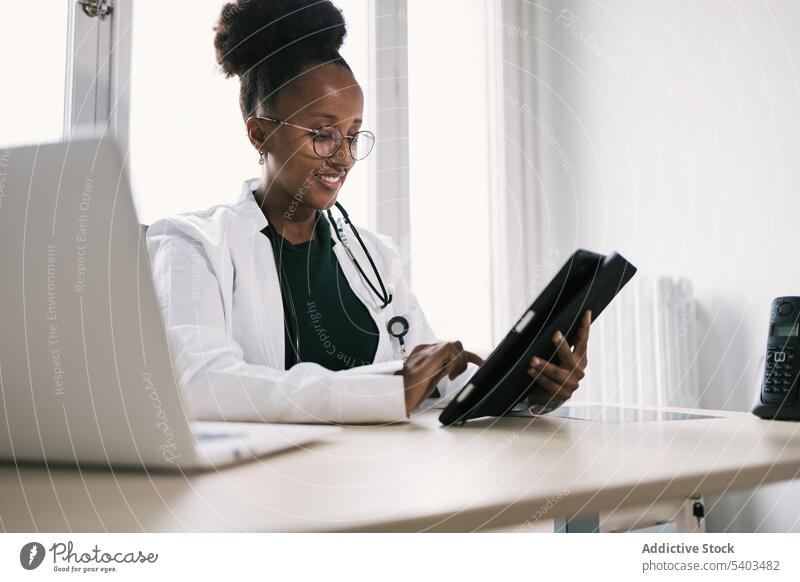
(780,374)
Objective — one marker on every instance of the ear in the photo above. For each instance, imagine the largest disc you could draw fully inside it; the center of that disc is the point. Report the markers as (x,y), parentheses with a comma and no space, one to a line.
(256,134)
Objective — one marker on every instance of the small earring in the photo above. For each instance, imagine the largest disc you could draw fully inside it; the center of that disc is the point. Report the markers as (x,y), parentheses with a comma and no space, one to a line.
(260,157)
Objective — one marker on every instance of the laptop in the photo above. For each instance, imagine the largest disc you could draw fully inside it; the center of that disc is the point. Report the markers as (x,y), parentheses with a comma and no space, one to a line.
(86,375)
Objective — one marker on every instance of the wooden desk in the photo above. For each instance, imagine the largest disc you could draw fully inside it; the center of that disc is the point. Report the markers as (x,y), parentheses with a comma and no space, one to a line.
(420,477)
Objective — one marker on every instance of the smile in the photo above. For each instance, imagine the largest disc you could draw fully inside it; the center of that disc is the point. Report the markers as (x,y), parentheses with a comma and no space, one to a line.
(330,181)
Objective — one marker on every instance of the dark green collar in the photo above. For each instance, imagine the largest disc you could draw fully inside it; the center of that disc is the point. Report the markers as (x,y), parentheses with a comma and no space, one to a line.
(322,244)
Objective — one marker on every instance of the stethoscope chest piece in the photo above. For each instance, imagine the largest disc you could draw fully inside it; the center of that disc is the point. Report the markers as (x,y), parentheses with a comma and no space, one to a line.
(398,328)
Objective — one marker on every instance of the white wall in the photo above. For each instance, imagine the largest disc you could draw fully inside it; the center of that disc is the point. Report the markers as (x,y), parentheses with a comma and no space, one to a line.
(670,131)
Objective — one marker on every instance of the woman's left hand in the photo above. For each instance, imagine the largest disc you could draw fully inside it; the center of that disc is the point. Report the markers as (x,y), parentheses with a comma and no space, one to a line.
(557,382)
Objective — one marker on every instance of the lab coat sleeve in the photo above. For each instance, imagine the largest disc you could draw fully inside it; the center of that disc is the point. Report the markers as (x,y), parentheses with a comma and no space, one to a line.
(218,384)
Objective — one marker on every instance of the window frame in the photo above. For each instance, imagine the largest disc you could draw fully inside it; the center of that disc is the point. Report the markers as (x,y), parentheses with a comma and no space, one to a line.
(516,212)
(390,176)
(90,70)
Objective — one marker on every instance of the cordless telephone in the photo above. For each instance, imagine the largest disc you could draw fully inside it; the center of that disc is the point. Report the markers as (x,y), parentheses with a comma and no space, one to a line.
(779,386)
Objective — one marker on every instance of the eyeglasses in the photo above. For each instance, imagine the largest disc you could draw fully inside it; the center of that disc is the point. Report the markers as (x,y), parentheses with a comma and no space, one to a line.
(327,140)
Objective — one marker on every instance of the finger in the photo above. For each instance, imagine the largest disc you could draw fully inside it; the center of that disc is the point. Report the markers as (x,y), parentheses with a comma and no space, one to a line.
(554,387)
(445,356)
(455,366)
(458,361)
(582,340)
(458,367)
(568,359)
(556,390)
(557,373)
(561,372)
(473,358)
(452,366)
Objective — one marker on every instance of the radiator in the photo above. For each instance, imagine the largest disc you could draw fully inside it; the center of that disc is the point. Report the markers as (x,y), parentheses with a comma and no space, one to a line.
(642,348)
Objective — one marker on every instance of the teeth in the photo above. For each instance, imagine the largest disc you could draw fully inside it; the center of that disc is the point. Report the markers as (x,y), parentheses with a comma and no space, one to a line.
(330,179)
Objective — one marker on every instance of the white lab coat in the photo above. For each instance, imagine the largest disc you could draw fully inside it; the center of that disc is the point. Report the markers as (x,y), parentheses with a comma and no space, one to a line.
(215,277)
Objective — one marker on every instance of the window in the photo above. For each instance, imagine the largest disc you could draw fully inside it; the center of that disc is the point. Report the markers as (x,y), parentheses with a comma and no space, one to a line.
(450,182)
(33,110)
(188,145)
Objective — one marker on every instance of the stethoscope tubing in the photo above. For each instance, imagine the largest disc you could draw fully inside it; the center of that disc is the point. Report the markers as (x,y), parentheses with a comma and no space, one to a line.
(383,296)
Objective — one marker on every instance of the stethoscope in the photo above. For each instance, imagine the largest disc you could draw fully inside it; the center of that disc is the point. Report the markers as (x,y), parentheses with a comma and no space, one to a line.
(397,326)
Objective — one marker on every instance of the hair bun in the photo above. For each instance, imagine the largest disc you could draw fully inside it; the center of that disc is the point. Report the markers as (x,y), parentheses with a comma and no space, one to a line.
(254,32)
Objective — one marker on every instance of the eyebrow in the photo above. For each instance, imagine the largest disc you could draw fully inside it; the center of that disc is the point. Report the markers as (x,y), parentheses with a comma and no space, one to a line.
(333,117)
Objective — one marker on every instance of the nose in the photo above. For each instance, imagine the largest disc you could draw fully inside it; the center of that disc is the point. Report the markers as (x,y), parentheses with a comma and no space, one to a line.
(342,157)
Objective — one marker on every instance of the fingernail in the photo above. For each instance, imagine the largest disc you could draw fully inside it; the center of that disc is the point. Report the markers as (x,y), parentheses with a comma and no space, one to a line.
(536,361)
(557,336)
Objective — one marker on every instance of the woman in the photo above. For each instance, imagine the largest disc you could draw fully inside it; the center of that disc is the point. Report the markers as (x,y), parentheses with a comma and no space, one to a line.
(272,312)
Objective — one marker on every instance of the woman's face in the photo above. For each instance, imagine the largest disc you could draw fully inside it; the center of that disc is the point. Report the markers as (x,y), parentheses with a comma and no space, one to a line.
(326,96)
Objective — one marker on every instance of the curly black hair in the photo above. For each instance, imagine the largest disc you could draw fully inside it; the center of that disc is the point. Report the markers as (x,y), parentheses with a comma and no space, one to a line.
(268,43)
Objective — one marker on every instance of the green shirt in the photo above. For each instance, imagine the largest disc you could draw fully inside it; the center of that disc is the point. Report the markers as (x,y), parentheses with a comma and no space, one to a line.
(336,330)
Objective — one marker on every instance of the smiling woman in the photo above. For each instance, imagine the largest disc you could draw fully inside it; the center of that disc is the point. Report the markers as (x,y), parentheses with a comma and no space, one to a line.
(292,77)
(276,310)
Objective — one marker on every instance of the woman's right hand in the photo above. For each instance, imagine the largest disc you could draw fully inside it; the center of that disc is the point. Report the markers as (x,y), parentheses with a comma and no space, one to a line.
(427,364)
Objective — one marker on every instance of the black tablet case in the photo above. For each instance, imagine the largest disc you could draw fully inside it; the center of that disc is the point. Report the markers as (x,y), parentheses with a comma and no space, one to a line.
(586,281)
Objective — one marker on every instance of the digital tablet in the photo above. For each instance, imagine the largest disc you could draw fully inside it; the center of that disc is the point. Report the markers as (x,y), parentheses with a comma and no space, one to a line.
(586,281)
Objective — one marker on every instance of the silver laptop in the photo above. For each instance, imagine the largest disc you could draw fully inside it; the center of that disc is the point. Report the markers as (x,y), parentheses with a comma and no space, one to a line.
(86,375)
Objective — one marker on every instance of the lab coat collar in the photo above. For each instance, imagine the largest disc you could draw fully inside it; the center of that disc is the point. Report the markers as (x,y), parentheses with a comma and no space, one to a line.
(253,219)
